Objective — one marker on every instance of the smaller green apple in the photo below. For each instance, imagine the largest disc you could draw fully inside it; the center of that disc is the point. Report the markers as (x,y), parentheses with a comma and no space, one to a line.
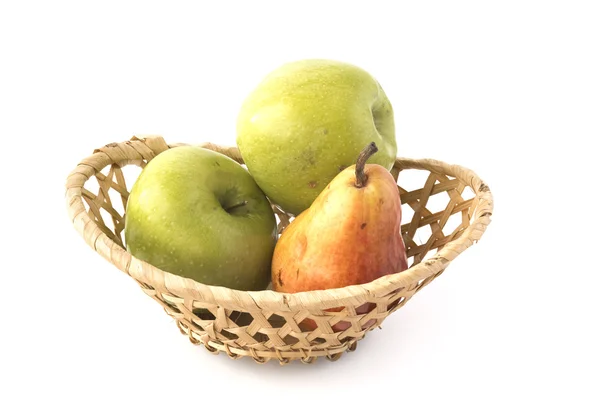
(196,213)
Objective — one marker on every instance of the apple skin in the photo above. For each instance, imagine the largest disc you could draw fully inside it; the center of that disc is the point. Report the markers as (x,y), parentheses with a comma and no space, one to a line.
(177,219)
(306,122)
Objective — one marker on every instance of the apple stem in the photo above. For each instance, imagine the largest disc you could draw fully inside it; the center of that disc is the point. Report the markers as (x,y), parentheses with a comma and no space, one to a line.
(243,203)
(361,177)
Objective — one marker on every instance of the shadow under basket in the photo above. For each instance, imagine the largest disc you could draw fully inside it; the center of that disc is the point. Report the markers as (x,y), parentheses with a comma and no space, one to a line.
(446,208)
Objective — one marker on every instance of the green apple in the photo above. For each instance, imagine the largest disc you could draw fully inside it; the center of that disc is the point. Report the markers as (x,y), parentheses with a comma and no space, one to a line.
(307,121)
(196,213)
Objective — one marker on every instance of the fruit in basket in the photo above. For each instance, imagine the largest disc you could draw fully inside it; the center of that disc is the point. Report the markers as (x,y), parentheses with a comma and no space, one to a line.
(350,235)
(196,213)
(306,122)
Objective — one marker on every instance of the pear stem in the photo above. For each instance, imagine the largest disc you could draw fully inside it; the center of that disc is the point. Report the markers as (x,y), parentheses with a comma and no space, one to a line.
(361,177)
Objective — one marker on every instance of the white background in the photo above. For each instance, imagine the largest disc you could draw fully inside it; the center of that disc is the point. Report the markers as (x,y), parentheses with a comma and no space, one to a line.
(510,89)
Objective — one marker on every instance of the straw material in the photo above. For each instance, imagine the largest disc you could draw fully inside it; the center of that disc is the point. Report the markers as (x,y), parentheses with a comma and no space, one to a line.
(265,324)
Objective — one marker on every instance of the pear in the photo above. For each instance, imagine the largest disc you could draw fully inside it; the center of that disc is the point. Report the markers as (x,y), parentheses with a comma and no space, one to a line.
(350,235)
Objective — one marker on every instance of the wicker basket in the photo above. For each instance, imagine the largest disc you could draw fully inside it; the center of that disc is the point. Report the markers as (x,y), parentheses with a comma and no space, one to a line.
(265,324)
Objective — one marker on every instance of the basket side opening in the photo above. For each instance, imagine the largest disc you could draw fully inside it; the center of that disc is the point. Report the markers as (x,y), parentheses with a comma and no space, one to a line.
(434,212)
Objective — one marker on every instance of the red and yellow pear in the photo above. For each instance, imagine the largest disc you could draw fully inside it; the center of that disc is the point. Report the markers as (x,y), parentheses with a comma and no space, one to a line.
(350,235)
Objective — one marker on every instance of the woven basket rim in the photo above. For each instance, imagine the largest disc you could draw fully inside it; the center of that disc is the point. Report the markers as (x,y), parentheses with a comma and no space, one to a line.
(138,149)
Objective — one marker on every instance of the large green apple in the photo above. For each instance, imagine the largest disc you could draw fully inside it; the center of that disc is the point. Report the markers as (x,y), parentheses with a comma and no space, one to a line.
(307,121)
(199,214)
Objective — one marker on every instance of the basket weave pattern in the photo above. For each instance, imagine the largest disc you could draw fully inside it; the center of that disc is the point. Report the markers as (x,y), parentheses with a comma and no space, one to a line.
(267,325)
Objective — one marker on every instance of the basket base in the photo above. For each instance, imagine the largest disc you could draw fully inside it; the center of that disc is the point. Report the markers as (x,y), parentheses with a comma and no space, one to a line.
(262,356)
